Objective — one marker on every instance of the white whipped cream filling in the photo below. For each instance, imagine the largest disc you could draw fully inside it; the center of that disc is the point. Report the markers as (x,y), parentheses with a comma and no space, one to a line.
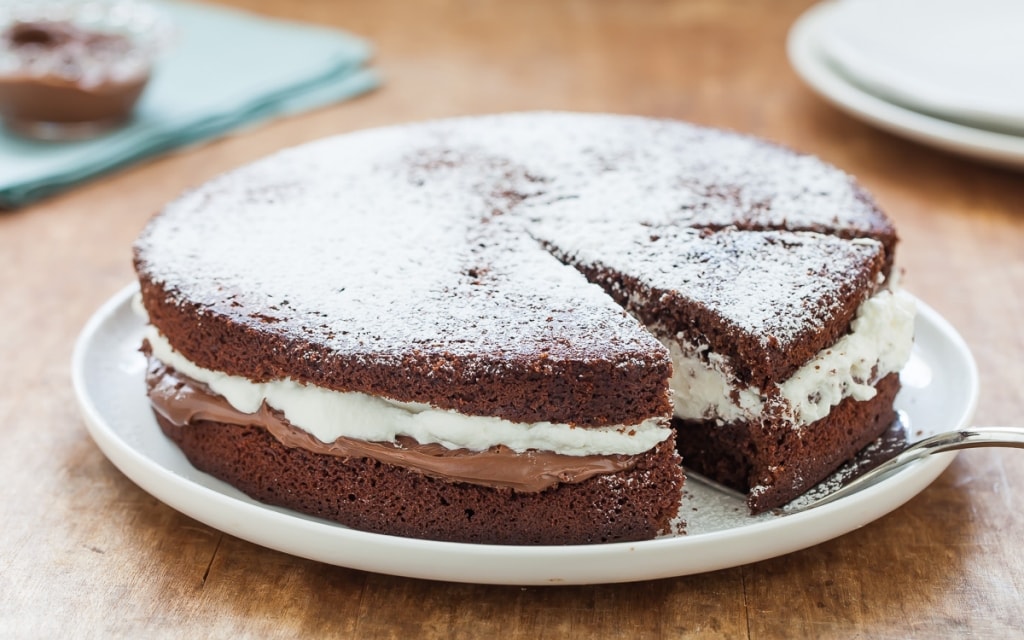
(329,415)
(879,343)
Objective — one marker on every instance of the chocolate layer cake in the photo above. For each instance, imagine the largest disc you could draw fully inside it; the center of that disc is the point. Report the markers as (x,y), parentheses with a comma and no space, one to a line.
(485,329)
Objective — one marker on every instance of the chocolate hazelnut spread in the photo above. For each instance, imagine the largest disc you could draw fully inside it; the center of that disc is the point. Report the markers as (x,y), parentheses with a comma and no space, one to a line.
(59,78)
(182,401)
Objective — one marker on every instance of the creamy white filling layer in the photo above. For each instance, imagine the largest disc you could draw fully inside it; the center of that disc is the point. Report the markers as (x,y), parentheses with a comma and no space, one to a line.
(329,415)
(879,343)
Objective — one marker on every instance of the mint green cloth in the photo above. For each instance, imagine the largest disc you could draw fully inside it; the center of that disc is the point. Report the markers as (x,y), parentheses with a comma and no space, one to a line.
(225,69)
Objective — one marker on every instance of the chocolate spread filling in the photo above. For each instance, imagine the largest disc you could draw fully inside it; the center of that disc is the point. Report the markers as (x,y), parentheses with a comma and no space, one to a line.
(183,401)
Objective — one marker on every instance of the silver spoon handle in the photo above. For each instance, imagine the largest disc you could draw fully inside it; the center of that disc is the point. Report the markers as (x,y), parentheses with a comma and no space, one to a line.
(949,441)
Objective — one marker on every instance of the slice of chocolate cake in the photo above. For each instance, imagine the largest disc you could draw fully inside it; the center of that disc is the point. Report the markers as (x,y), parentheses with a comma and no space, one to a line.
(784,346)
(381,328)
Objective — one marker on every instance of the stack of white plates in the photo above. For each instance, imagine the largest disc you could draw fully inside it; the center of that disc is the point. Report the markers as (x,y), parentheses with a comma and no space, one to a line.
(947,73)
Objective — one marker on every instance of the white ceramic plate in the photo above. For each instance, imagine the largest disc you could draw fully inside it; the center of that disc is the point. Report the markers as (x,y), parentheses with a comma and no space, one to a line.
(961,60)
(940,389)
(805,54)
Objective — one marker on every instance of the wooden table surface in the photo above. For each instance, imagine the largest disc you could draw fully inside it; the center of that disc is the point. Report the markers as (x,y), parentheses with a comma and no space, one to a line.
(86,553)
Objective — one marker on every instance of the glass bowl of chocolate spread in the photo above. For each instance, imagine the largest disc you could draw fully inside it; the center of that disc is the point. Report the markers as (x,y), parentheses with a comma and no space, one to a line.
(74,70)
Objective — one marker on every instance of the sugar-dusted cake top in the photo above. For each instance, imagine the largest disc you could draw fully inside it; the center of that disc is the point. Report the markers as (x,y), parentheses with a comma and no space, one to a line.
(344,243)
(765,300)
(372,259)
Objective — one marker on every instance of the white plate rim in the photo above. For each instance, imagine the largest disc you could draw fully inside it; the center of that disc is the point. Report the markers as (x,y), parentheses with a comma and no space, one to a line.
(810,65)
(892,82)
(497,564)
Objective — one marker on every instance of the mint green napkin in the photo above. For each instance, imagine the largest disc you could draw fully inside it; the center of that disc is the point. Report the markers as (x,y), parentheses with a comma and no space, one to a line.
(225,69)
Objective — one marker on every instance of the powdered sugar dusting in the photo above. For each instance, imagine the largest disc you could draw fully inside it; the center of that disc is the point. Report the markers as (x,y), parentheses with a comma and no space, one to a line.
(599,167)
(773,285)
(364,243)
(420,236)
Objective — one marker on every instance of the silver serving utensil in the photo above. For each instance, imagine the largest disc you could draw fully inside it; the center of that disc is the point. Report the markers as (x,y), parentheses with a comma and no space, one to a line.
(948,441)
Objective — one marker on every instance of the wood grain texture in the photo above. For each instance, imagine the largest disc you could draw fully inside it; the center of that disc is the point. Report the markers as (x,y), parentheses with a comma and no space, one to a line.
(85,553)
